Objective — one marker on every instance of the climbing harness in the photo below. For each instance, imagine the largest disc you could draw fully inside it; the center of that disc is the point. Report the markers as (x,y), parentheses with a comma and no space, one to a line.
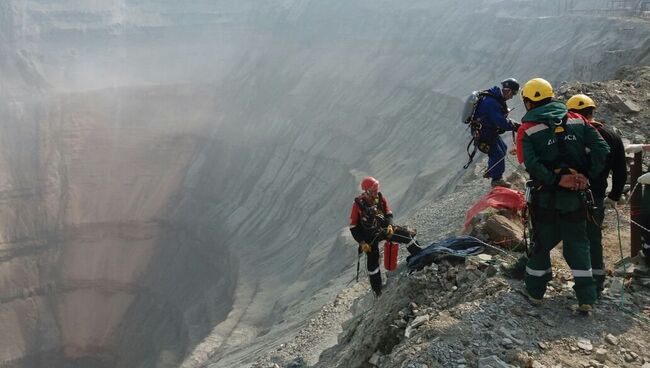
(592,208)
(475,126)
(373,216)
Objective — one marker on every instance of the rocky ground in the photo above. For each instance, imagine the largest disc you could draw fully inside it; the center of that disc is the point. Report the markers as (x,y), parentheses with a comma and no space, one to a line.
(469,314)
(622,102)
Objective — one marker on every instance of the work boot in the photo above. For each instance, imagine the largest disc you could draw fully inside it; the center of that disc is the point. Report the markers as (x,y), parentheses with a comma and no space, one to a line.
(534,301)
(375,283)
(414,248)
(584,308)
(515,270)
(500,183)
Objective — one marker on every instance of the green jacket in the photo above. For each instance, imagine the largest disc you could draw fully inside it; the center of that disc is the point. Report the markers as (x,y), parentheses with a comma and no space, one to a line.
(584,150)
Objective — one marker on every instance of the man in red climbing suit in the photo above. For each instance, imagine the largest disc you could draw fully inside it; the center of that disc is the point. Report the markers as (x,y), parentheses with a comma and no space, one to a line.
(371,221)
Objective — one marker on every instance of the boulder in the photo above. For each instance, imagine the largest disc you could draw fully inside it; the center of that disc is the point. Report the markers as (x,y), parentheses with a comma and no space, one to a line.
(503,231)
(626,106)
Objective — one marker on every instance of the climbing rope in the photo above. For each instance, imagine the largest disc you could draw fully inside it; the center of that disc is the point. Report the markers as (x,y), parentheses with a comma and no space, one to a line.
(635,223)
(496,248)
(495,164)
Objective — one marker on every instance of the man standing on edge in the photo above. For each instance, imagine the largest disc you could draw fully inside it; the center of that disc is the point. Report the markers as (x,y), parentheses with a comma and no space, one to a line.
(555,142)
(492,114)
(371,221)
(616,164)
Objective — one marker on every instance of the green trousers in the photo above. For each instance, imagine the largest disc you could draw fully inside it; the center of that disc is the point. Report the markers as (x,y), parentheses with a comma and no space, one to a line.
(595,236)
(576,252)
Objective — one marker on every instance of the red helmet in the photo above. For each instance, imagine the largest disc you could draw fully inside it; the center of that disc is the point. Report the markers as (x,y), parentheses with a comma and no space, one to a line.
(370,184)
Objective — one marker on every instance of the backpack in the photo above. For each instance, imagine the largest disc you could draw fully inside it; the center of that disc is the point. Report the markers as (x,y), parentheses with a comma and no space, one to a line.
(471,103)
(468,117)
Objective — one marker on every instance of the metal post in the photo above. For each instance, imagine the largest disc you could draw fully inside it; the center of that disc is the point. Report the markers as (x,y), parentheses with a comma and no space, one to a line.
(635,204)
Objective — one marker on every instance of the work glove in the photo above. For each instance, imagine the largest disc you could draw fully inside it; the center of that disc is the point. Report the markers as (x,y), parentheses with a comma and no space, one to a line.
(411,231)
(365,247)
(644,179)
(574,181)
(389,231)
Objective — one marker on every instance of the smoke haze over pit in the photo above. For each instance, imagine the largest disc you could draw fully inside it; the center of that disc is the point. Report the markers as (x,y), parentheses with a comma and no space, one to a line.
(175,177)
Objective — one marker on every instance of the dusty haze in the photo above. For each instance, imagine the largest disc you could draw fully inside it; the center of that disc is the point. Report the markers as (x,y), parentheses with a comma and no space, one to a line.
(175,178)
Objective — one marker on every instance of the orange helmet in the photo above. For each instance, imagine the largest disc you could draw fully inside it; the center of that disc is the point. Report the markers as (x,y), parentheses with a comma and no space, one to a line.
(370,184)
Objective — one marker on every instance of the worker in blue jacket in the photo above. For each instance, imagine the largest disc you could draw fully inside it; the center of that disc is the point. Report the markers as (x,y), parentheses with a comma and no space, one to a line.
(492,113)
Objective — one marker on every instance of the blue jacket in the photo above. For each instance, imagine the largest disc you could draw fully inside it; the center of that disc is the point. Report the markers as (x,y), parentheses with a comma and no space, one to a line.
(491,112)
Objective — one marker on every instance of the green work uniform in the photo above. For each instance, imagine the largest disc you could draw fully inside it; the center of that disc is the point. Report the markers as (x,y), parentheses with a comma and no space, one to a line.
(555,140)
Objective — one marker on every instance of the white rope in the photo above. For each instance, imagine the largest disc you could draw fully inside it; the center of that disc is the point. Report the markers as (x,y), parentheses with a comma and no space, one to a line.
(626,203)
(634,222)
(495,164)
(495,248)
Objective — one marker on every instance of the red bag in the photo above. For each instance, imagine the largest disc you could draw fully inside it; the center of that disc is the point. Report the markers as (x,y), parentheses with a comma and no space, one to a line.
(498,197)
(390,255)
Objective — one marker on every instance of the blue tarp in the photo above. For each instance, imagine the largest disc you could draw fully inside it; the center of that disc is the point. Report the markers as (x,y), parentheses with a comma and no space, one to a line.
(457,247)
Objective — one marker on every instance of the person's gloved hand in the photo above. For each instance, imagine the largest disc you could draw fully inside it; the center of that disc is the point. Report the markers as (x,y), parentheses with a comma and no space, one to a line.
(574,181)
(389,231)
(365,247)
(610,203)
(644,179)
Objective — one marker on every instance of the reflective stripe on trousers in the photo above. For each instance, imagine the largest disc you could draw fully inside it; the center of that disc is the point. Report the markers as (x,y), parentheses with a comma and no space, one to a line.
(582,273)
(538,273)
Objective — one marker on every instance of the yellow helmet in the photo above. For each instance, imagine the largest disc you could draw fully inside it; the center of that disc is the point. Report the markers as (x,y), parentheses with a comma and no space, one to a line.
(579,102)
(537,89)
